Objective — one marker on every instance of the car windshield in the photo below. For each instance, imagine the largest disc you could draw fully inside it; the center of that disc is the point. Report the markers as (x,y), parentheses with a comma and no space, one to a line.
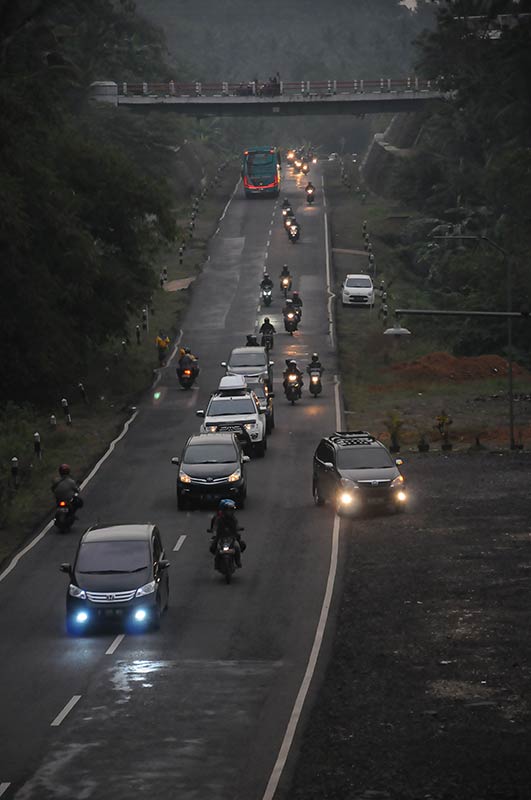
(259,391)
(364,458)
(210,454)
(247,360)
(121,556)
(357,283)
(230,405)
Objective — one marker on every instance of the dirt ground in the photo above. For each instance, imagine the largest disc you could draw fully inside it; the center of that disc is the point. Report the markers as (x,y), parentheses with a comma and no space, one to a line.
(427,694)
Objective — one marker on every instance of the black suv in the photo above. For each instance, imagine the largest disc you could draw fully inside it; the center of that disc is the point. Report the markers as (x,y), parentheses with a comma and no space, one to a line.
(211,467)
(353,470)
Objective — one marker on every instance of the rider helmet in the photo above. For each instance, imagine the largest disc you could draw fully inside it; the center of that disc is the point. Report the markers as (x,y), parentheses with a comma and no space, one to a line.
(295,294)
(64,469)
(315,357)
(227,507)
(187,351)
(267,321)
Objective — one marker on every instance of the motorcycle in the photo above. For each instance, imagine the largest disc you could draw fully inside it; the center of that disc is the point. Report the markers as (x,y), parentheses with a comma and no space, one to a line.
(298,312)
(310,196)
(267,295)
(65,513)
(288,218)
(305,168)
(285,284)
(187,377)
(292,387)
(267,341)
(224,560)
(316,386)
(291,322)
(294,233)
(287,211)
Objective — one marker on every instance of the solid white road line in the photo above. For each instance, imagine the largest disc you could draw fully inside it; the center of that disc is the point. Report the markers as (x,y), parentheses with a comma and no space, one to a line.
(180,542)
(66,710)
(310,669)
(229,201)
(115,644)
(328,285)
(289,735)
(3,788)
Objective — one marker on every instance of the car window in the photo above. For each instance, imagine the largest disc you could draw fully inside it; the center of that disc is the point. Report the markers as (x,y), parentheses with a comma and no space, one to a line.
(157,549)
(364,458)
(223,453)
(247,360)
(230,405)
(325,452)
(358,283)
(111,556)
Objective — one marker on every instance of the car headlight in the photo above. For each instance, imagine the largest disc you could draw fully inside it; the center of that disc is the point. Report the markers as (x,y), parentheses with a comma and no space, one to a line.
(249,426)
(401,496)
(75,591)
(211,428)
(147,588)
(398,481)
(184,478)
(236,475)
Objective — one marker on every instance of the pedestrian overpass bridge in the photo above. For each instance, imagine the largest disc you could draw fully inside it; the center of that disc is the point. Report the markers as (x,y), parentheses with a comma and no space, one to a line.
(356,97)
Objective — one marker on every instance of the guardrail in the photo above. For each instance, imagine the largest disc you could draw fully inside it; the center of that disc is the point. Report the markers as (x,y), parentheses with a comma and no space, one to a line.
(280,89)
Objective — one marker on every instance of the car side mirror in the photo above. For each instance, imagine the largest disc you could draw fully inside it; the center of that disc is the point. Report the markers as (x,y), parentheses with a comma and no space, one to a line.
(66,568)
(164,563)
(261,411)
(223,363)
(176,460)
(328,465)
(399,462)
(245,459)
(200,413)
(271,363)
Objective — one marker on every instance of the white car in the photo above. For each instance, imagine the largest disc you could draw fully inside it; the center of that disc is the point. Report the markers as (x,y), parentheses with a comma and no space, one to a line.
(238,413)
(252,363)
(357,290)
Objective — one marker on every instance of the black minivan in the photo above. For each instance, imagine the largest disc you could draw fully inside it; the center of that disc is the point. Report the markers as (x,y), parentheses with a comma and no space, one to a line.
(120,574)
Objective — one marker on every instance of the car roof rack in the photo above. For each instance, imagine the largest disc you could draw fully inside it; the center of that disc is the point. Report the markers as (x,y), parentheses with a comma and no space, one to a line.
(349,438)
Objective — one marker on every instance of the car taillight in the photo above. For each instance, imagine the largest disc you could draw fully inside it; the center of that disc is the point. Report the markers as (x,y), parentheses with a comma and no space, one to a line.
(62,504)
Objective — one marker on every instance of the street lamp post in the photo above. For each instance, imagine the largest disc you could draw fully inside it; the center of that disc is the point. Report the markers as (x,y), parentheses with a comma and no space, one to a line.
(508,270)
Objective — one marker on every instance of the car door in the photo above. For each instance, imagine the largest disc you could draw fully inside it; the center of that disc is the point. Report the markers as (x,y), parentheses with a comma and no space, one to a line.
(324,455)
(158,573)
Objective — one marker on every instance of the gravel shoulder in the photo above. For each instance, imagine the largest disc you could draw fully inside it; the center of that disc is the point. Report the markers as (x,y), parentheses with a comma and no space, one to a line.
(427,691)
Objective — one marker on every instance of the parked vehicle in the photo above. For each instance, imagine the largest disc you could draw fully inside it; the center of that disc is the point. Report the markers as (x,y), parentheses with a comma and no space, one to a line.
(357,290)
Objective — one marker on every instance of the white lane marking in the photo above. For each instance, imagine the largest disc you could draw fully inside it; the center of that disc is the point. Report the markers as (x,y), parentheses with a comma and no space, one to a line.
(115,644)
(229,201)
(180,542)
(47,527)
(66,710)
(289,735)
(268,243)
(328,285)
(3,788)
(216,231)
(310,669)
(337,397)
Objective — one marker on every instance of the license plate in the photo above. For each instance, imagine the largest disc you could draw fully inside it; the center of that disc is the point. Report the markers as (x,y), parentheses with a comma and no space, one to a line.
(112,612)
(374,501)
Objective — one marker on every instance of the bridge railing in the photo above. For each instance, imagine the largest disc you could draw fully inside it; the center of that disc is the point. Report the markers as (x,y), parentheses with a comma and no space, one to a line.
(283,88)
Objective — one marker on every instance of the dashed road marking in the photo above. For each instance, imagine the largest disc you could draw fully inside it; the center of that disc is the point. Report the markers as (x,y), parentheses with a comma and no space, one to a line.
(117,641)
(3,788)
(180,542)
(66,710)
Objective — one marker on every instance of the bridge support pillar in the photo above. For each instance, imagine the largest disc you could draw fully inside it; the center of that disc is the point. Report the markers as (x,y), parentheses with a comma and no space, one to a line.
(171,87)
(104,92)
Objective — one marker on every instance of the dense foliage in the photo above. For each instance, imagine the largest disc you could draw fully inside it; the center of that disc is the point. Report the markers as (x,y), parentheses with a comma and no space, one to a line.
(472,168)
(79,215)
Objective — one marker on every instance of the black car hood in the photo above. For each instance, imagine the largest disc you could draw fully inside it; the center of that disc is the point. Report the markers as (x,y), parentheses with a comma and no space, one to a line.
(210,470)
(382,474)
(115,582)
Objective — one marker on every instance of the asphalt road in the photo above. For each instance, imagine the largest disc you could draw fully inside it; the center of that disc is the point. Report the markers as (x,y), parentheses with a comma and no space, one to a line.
(199,709)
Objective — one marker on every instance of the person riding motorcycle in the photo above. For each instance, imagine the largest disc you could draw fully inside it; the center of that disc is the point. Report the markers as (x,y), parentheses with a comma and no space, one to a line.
(224,525)
(314,364)
(310,188)
(292,369)
(251,340)
(286,203)
(267,326)
(285,273)
(288,307)
(65,487)
(266,282)
(188,361)
(296,299)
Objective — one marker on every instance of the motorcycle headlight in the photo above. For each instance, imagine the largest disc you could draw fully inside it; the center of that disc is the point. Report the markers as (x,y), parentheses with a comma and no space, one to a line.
(292,378)
(147,588)
(398,481)
(236,475)
(315,379)
(184,478)
(75,591)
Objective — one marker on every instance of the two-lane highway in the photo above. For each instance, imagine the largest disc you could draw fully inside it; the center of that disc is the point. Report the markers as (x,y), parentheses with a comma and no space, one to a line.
(199,709)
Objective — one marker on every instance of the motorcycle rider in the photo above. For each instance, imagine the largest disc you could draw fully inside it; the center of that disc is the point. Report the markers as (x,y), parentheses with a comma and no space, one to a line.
(188,361)
(296,300)
(266,282)
(310,188)
(285,273)
(224,525)
(288,307)
(315,364)
(292,369)
(286,203)
(267,326)
(65,487)
(251,340)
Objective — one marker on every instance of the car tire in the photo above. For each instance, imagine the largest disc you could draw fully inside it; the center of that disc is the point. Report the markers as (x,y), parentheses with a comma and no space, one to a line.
(318,499)
(261,448)
(167,603)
